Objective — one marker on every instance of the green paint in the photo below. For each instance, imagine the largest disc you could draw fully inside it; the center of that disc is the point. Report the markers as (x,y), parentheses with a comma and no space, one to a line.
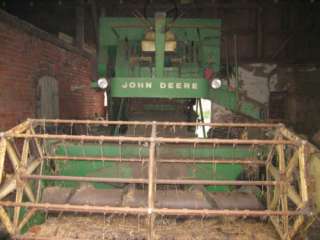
(160,29)
(37,219)
(126,170)
(124,33)
(228,99)
(119,36)
(159,87)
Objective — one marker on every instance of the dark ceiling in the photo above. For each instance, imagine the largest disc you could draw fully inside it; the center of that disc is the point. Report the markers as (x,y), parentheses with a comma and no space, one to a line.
(270,30)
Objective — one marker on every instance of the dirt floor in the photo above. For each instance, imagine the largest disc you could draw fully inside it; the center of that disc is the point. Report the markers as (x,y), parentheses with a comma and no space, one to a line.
(133,228)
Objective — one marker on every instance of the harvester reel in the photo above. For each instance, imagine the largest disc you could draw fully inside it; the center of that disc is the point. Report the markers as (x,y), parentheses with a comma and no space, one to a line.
(288,164)
(100,161)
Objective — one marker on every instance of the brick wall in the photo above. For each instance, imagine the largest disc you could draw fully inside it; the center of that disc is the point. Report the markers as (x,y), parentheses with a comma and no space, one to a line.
(26,54)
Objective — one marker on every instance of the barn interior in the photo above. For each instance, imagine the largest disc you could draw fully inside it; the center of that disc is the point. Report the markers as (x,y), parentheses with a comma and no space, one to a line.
(160,119)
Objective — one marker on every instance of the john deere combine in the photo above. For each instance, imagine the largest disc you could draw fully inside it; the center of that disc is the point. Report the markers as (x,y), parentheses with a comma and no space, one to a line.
(145,159)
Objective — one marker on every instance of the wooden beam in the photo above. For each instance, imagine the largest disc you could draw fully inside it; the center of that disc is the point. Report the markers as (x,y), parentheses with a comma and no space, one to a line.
(9,186)
(20,187)
(16,166)
(259,37)
(283,190)
(302,171)
(3,147)
(292,194)
(292,164)
(26,218)
(95,20)
(80,19)
(6,221)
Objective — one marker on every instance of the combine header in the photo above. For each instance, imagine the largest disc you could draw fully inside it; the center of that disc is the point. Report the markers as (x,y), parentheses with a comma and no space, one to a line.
(56,170)
(146,160)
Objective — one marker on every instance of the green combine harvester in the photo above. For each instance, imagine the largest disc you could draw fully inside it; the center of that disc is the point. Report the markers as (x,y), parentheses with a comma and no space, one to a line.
(146,159)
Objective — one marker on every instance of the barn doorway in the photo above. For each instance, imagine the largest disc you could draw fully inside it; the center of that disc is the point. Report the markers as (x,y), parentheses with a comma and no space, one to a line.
(47,104)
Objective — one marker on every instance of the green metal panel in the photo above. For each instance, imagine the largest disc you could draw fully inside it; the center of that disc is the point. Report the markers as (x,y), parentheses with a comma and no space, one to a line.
(204,33)
(125,170)
(135,80)
(160,29)
(159,87)
(222,96)
(228,99)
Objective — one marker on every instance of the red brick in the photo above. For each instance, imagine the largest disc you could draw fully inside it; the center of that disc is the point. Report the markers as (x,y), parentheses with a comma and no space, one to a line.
(24,59)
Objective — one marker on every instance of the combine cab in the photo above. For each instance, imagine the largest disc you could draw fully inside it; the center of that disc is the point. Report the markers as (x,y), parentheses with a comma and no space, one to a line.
(145,162)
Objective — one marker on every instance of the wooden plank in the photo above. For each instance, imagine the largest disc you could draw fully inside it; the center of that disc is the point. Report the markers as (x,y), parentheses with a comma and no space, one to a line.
(293,137)
(16,214)
(275,224)
(26,218)
(80,18)
(268,166)
(21,128)
(3,147)
(16,165)
(38,145)
(292,193)
(25,152)
(151,184)
(95,20)
(6,221)
(11,184)
(302,171)
(283,189)
(38,193)
(295,197)
(296,226)
(292,164)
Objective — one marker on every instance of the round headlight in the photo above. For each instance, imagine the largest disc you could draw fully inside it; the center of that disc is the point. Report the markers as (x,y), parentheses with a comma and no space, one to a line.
(103,83)
(216,83)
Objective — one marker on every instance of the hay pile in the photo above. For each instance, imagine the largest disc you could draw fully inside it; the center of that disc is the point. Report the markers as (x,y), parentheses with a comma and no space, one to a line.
(134,228)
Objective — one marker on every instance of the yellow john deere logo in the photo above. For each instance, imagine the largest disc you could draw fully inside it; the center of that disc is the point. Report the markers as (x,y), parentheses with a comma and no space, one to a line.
(162,85)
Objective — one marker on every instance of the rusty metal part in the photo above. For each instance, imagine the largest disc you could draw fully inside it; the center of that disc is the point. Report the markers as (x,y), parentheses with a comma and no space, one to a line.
(236,200)
(56,195)
(170,198)
(89,195)
(170,124)
(156,139)
(117,159)
(145,211)
(158,181)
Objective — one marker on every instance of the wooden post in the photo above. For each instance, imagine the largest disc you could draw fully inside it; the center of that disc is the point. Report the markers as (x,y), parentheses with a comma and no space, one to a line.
(296,225)
(283,189)
(38,145)
(259,33)
(41,154)
(160,42)
(3,147)
(11,185)
(302,172)
(20,185)
(6,221)
(26,219)
(151,183)
(16,165)
(95,20)
(80,15)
